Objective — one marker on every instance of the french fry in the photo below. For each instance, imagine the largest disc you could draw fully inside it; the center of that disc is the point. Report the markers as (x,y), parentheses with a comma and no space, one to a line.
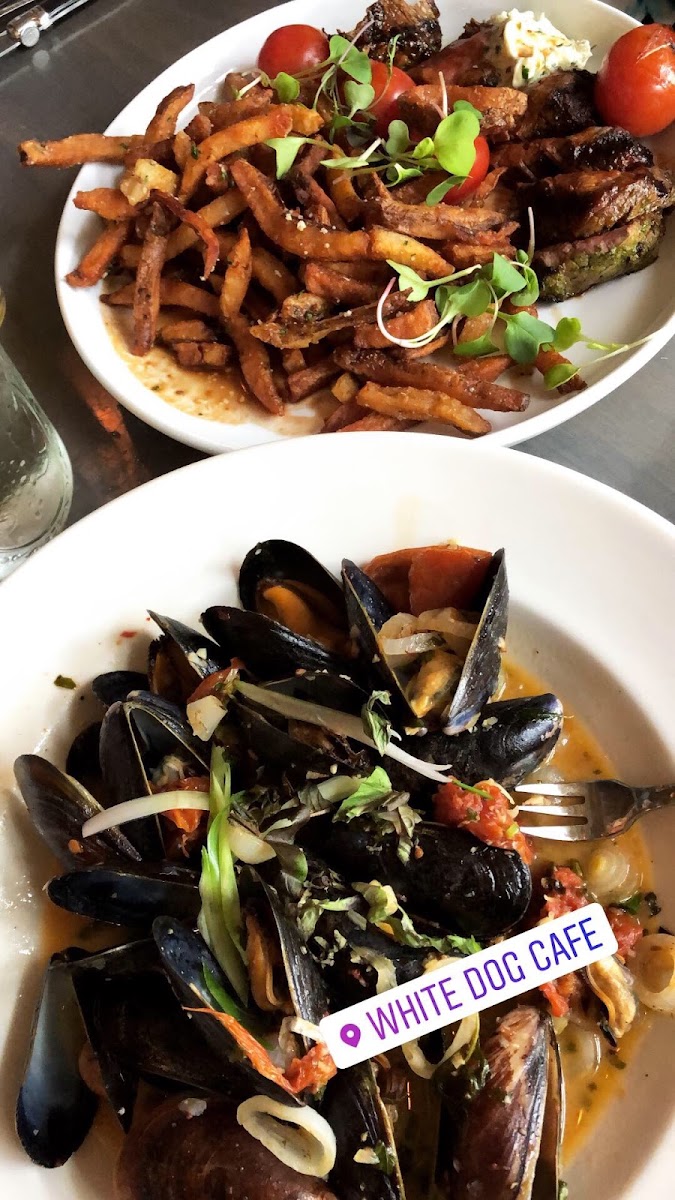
(93,266)
(273,275)
(276,123)
(400,248)
(475,327)
(436,223)
(254,362)
(322,280)
(551,358)
(182,148)
(173,293)
(344,414)
(144,177)
(217,212)
(411,324)
(77,149)
(302,306)
(163,124)
(317,204)
(204,356)
(147,296)
(186,331)
(108,203)
(461,254)
(486,369)
(376,366)
(414,352)
(345,388)
(160,152)
(312,379)
(293,360)
(217,178)
(237,277)
(193,221)
(230,112)
(342,191)
(199,128)
(376,422)
(296,335)
(420,404)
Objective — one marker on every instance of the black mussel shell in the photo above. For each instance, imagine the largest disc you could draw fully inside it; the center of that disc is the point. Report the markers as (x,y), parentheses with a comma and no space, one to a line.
(497,1153)
(368,610)
(116,685)
(480,674)
(185,958)
(508,742)
(277,562)
(179,659)
(268,650)
(127,897)
(58,807)
(354,1109)
(458,881)
(83,762)
(135,736)
(55,1108)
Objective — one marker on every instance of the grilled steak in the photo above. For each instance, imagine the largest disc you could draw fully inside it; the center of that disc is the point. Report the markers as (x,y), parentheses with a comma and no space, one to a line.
(570,268)
(416,26)
(597,148)
(463,61)
(584,203)
(559,104)
(502,107)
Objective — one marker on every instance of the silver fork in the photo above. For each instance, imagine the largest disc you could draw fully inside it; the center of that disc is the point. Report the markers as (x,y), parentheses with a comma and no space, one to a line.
(599,808)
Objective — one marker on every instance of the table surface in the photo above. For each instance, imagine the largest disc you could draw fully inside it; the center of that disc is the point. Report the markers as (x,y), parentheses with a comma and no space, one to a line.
(78,78)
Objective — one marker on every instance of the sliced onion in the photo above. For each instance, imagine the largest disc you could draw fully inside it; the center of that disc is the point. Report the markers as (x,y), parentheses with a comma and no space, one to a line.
(205,716)
(144,806)
(247,846)
(611,875)
(448,620)
(654,967)
(582,1051)
(464,1040)
(297,1135)
(415,643)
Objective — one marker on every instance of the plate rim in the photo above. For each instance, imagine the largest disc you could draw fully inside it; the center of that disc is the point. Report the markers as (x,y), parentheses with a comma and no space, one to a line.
(212,437)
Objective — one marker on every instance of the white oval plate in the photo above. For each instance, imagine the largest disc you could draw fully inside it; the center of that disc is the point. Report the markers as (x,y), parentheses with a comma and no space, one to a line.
(622,311)
(592,578)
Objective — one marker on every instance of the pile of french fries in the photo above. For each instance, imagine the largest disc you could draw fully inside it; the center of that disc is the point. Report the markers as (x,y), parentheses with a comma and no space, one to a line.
(231,270)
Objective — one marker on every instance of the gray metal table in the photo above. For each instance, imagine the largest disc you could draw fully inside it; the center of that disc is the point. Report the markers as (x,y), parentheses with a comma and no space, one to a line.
(81,74)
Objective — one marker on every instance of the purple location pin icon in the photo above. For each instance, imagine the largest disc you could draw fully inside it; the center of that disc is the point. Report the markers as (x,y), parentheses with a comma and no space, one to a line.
(351,1035)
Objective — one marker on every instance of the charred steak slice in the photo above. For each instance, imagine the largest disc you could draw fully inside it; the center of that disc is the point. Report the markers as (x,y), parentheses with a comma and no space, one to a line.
(462,61)
(571,268)
(583,203)
(501,107)
(416,26)
(559,104)
(597,148)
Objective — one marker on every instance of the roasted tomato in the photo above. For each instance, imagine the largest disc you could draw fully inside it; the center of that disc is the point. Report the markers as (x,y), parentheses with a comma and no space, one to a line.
(293,48)
(635,86)
(476,175)
(490,818)
(626,928)
(388,86)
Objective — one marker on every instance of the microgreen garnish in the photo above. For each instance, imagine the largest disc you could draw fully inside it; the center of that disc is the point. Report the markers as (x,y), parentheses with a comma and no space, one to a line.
(523,335)
(375,723)
(286,150)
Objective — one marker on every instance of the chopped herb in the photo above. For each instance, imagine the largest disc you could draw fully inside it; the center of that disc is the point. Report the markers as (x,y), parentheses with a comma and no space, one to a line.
(471,814)
(617,1062)
(563,1190)
(64,681)
(512,830)
(632,904)
(526,73)
(386,1159)
(194,150)
(376,724)
(652,904)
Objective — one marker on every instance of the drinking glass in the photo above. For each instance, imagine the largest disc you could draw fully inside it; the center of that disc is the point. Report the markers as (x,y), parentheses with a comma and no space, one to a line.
(36,480)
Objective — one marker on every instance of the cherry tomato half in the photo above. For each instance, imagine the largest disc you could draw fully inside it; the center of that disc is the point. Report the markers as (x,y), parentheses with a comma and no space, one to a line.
(476,175)
(293,48)
(635,86)
(387,87)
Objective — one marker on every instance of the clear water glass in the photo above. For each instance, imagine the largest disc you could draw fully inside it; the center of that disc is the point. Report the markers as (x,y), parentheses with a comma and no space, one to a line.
(36,480)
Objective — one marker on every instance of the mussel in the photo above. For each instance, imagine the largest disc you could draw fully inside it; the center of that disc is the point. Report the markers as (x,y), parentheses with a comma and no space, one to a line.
(614,987)
(451,877)
(130,897)
(55,1108)
(509,1143)
(283,581)
(112,686)
(355,1111)
(508,742)
(268,649)
(179,659)
(369,610)
(58,807)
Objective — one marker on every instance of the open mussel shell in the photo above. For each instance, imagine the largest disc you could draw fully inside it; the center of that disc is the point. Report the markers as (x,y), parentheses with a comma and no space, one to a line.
(180,658)
(456,880)
(367,611)
(508,742)
(130,898)
(186,959)
(285,582)
(55,1108)
(480,673)
(136,735)
(112,686)
(268,649)
(508,1151)
(354,1109)
(58,807)
(82,761)
(613,985)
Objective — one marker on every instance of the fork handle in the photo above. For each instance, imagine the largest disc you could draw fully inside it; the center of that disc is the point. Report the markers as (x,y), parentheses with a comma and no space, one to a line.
(650,799)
